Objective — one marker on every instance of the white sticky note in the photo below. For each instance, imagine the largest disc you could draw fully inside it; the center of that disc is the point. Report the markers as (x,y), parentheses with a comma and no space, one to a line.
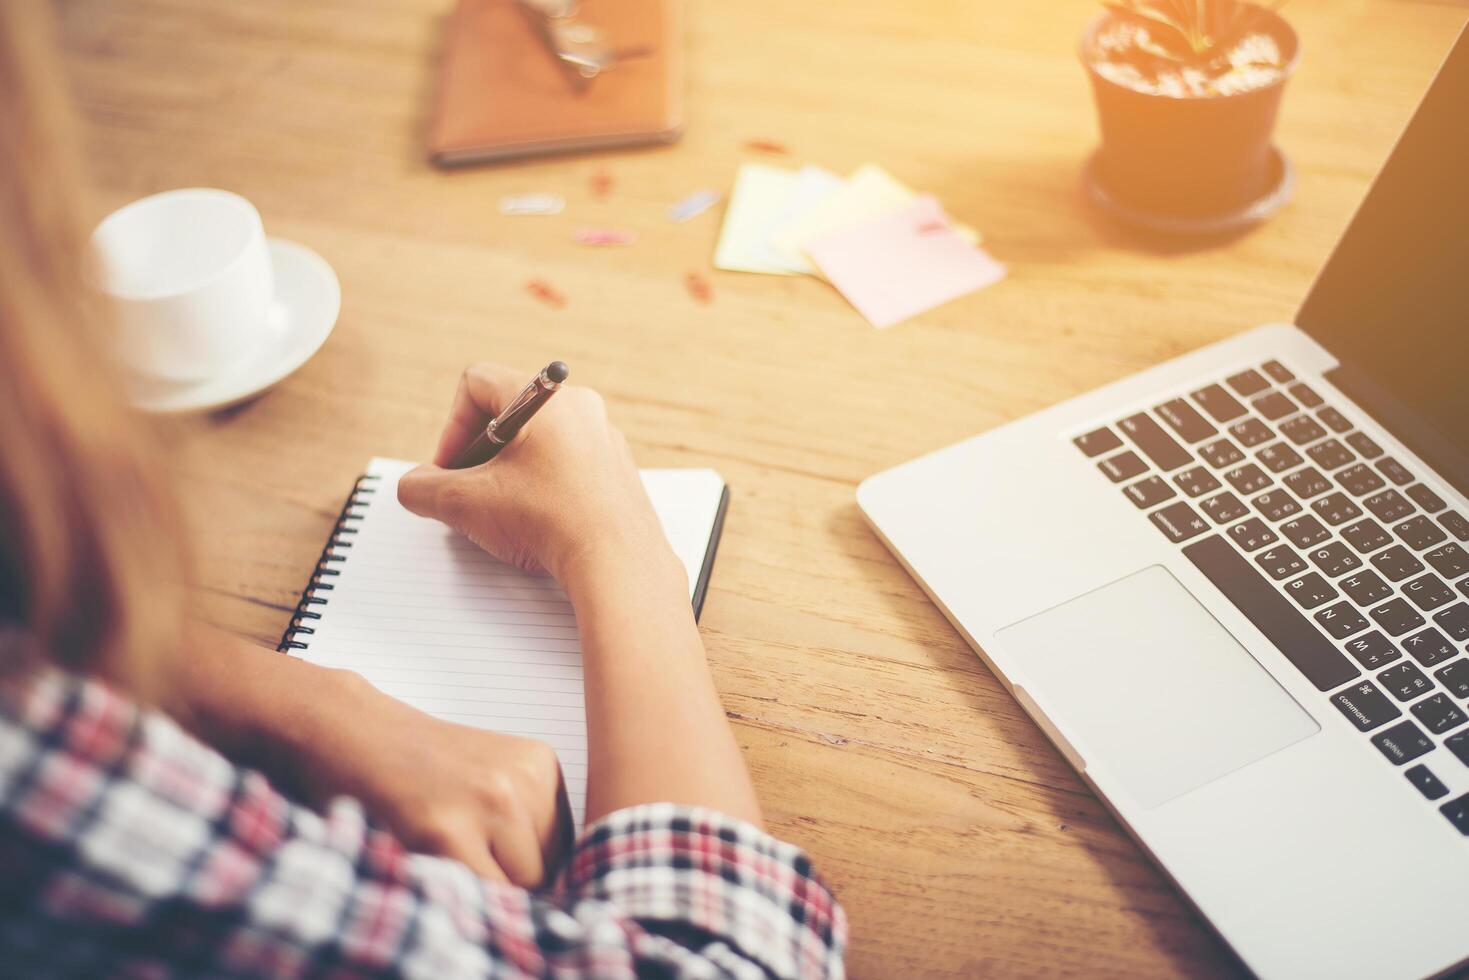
(869,192)
(902,263)
(754,205)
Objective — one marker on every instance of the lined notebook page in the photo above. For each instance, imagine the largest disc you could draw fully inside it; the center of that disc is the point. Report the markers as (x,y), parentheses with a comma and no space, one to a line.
(429,618)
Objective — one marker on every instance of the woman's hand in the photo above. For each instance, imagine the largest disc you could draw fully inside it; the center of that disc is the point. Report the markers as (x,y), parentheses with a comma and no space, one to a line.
(494,802)
(564,494)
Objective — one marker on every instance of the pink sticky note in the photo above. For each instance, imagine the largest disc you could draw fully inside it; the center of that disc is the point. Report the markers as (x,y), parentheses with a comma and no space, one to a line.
(903,263)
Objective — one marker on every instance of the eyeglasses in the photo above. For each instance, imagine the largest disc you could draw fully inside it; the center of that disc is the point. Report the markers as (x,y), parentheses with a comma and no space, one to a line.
(581,49)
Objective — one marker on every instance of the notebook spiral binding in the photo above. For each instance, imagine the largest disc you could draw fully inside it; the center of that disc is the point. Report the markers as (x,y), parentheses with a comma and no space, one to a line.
(361,496)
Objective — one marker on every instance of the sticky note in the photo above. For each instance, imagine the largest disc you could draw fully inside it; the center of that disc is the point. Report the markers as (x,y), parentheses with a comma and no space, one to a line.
(868,193)
(902,263)
(813,186)
(754,204)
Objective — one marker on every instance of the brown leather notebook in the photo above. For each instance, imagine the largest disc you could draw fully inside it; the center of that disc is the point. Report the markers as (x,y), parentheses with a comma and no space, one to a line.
(503,92)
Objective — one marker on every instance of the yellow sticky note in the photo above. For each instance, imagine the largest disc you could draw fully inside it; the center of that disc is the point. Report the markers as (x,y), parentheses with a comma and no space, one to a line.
(870,192)
(755,203)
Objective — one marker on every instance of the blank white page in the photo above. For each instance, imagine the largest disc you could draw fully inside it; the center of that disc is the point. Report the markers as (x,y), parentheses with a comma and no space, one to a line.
(429,618)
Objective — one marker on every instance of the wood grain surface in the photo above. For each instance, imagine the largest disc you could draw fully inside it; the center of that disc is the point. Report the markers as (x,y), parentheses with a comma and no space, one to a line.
(959,841)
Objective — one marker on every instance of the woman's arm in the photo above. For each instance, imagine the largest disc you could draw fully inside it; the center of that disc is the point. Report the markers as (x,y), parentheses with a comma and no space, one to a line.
(567,497)
(657,729)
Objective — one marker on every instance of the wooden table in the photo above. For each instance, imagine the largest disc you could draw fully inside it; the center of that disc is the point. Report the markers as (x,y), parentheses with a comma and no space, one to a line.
(959,841)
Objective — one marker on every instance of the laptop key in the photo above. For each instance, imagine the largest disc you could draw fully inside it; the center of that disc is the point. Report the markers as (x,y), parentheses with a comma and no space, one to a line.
(1438,714)
(1458,743)
(1454,621)
(1149,492)
(1389,506)
(1366,536)
(1450,560)
(1123,466)
(1428,592)
(1397,617)
(1179,521)
(1277,371)
(1305,531)
(1364,445)
(1397,563)
(1455,524)
(1404,681)
(1305,395)
(1372,650)
(1196,481)
(1220,404)
(1334,559)
(1274,406)
(1295,636)
(1419,533)
(1330,455)
(1429,648)
(1102,440)
(1426,782)
(1335,421)
(1186,421)
(1251,432)
(1252,535)
(1247,383)
(1366,588)
(1247,479)
(1431,502)
(1336,509)
(1307,483)
(1224,508)
(1365,706)
(1310,591)
(1402,743)
(1221,453)
(1359,479)
(1276,505)
(1340,620)
(1457,810)
(1455,677)
(1280,562)
(1395,471)
(1278,457)
(1302,430)
(1155,443)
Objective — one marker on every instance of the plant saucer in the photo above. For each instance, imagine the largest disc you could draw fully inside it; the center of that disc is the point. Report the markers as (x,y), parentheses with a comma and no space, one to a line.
(1280,187)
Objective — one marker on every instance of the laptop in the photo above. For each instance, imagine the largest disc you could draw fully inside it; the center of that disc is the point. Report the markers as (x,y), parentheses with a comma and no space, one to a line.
(1234,589)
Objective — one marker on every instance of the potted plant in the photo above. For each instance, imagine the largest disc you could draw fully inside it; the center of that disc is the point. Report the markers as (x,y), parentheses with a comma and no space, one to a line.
(1187,93)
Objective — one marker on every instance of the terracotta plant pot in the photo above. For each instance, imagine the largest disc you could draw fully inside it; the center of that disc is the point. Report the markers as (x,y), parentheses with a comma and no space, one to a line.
(1191,156)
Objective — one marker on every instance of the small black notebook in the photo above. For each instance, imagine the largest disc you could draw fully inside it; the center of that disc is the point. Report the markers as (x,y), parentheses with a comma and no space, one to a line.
(429,618)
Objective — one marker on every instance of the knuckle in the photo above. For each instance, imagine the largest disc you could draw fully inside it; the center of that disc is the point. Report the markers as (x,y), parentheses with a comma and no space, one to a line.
(496,792)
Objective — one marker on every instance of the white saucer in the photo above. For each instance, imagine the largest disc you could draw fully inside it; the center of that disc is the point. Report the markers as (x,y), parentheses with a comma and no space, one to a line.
(307,300)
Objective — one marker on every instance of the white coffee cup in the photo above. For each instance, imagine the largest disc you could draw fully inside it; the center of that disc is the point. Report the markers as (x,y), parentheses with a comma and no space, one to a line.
(189,275)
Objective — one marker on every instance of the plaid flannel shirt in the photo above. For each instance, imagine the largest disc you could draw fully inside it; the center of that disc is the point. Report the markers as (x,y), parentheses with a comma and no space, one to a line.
(128,848)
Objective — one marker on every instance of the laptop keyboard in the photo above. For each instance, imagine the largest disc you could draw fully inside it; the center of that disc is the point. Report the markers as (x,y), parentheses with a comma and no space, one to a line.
(1357,572)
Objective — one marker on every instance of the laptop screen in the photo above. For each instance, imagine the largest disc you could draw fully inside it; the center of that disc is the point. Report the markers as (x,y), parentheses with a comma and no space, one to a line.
(1392,303)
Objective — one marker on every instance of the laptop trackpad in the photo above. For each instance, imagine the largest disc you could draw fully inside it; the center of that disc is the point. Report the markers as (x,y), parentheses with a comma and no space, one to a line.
(1150,687)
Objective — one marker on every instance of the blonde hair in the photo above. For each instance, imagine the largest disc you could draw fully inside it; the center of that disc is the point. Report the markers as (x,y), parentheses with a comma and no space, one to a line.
(90,551)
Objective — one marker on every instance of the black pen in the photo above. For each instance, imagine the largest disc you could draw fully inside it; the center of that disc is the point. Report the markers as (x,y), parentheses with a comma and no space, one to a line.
(504,427)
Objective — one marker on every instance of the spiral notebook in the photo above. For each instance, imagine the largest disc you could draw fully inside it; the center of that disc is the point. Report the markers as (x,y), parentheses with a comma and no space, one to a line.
(426,616)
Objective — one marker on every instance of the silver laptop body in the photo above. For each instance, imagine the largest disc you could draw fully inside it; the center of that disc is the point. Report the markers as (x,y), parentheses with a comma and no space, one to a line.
(1234,589)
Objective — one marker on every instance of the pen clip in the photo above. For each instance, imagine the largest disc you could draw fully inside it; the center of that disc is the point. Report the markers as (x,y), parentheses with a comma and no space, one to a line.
(541,382)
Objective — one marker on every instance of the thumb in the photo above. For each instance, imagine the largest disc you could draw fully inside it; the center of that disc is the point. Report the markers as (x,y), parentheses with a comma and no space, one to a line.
(422,490)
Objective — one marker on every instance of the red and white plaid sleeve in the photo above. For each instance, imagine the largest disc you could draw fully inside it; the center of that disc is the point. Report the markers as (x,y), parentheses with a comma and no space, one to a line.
(128,848)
